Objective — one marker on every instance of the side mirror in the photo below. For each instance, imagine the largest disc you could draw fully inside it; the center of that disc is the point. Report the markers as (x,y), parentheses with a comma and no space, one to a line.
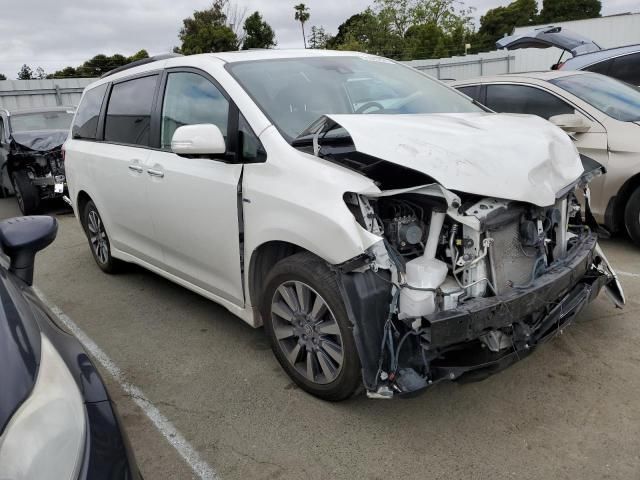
(201,139)
(21,238)
(571,123)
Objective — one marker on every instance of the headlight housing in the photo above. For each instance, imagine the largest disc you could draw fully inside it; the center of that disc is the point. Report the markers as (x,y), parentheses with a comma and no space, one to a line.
(45,438)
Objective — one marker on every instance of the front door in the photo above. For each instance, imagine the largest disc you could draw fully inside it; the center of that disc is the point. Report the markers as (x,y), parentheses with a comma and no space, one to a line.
(194,201)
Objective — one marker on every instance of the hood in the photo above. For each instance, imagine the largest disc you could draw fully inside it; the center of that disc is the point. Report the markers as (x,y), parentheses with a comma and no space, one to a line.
(40,140)
(550,37)
(515,157)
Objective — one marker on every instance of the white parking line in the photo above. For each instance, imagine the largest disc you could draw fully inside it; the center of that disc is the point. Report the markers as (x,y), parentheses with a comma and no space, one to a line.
(628,274)
(201,468)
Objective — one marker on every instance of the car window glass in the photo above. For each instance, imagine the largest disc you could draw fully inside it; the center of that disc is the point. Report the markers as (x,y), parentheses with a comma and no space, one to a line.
(1,130)
(600,67)
(472,91)
(191,99)
(85,124)
(129,111)
(627,68)
(523,99)
(252,150)
(31,122)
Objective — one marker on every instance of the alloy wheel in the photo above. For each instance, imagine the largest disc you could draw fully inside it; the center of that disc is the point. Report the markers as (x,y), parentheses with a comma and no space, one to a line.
(307,332)
(98,237)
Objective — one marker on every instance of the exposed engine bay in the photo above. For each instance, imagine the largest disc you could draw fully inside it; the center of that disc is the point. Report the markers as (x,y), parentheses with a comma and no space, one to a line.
(45,170)
(450,262)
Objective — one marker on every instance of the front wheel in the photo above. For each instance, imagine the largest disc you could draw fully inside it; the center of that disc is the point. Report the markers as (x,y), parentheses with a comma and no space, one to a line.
(26,193)
(307,324)
(632,216)
(98,239)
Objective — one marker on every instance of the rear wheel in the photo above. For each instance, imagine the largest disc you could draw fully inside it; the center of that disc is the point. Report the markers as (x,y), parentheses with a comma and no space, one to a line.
(632,216)
(98,239)
(26,193)
(307,324)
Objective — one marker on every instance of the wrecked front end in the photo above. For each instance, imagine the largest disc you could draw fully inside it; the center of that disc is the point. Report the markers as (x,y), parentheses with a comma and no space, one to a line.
(462,285)
(39,156)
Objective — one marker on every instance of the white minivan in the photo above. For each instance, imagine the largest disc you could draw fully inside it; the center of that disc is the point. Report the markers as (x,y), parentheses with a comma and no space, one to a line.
(386,230)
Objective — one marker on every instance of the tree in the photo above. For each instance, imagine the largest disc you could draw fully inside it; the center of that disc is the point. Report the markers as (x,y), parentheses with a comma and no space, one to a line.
(207,31)
(25,73)
(318,38)
(302,15)
(2,76)
(564,10)
(98,65)
(258,33)
(501,21)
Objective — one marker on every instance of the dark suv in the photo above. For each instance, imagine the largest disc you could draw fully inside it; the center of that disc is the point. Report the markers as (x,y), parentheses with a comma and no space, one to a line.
(31,156)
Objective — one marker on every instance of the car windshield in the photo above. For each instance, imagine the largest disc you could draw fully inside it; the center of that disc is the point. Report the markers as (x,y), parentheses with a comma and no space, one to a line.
(28,122)
(294,92)
(617,99)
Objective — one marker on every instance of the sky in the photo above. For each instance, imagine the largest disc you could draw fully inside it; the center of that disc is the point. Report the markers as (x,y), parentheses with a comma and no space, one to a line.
(54,34)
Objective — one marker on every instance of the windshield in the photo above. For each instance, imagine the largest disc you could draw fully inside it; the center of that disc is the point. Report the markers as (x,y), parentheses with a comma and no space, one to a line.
(294,92)
(27,122)
(617,99)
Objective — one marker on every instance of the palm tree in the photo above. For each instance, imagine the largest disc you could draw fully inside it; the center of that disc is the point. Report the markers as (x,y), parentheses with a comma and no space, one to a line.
(302,15)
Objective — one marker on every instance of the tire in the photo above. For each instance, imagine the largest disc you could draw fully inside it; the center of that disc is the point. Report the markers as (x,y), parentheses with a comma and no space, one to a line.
(306,321)
(98,239)
(27,194)
(632,216)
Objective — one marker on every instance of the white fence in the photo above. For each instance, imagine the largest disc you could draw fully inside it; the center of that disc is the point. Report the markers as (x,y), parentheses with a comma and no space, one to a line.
(18,94)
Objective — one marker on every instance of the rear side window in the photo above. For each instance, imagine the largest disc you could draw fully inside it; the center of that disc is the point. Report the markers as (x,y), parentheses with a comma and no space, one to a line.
(472,91)
(601,67)
(191,99)
(85,124)
(523,99)
(129,111)
(626,68)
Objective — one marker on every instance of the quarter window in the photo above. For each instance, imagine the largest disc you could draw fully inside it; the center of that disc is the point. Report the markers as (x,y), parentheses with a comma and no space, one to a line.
(191,99)
(85,124)
(601,67)
(472,91)
(129,112)
(523,99)
(627,69)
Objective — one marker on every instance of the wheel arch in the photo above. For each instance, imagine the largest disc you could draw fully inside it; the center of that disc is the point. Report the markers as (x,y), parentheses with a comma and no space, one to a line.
(81,202)
(614,215)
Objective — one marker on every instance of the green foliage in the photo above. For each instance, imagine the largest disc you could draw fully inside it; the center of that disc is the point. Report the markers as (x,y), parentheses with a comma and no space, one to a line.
(501,21)
(98,65)
(302,15)
(206,31)
(25,73)
(564,10)
(2,76)
(318,38)
(258,33)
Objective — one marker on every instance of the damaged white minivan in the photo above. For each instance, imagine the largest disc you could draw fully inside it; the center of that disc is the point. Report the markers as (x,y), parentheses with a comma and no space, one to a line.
(386,231)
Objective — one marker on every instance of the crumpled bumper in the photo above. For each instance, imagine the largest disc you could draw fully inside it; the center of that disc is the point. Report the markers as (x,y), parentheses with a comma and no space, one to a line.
(533,315)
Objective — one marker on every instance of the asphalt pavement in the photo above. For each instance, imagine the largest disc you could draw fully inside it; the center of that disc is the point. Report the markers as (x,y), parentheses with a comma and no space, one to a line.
(569,411)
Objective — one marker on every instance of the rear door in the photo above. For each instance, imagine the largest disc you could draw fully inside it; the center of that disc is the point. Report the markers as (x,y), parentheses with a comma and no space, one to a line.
(120,166)
(193,201)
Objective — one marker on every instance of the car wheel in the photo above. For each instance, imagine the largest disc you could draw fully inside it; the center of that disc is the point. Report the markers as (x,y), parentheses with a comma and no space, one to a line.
(98,239)
(26,193)
(632,216)
(307,324)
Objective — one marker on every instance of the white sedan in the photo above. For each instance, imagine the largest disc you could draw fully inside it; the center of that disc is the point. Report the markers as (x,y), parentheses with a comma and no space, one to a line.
(374,220)
(601,114)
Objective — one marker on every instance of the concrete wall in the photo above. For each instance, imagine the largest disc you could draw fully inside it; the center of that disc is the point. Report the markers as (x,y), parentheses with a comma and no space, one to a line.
(17,94)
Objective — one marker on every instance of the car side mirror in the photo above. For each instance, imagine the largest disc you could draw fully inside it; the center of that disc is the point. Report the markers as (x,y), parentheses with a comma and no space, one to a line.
(571,123)
(200,139)
(21,238)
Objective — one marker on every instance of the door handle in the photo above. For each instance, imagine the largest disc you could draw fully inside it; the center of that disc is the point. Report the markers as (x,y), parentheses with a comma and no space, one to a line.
(155,173)
(136,168)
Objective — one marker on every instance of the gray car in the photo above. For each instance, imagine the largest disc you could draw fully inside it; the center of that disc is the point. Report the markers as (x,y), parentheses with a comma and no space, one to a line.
(622,63)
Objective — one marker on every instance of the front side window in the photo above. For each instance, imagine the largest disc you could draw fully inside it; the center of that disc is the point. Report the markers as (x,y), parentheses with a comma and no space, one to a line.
(85,124)
(191,99)
(294,92)
(626,68)
(617,99)
(524,99)
(129,111)
(31,122)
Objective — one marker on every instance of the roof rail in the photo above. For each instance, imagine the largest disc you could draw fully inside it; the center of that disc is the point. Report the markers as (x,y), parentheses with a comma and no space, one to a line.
(137,63)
